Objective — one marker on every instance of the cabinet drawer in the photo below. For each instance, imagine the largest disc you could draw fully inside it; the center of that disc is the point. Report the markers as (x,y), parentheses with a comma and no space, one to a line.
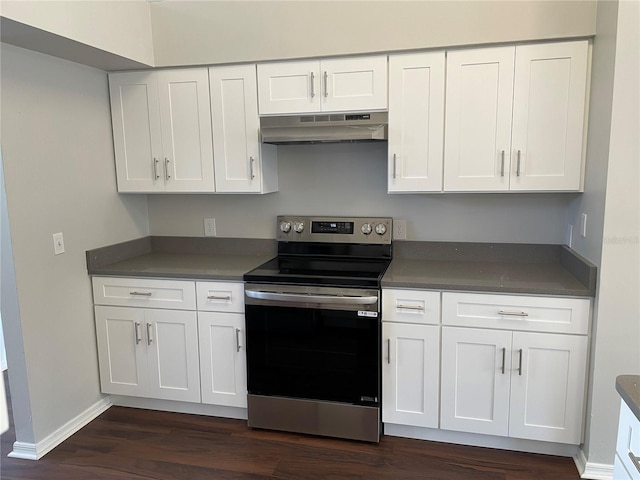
(628,444)
(516,312)
(143,292)
(410,306)
(220,296)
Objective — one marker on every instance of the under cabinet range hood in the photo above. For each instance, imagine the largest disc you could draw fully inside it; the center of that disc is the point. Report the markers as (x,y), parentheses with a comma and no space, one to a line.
(324,128)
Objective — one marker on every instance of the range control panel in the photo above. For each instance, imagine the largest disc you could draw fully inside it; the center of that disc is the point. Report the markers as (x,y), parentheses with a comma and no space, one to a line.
(334,229)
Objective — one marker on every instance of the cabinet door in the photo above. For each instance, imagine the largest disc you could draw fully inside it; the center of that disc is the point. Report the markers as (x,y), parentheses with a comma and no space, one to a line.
(354,84)
(137,139)
(171,338)
(475,380)
(627,445)
(289,87)
(548,387)
(222,359)
(236,128)
(479,99)
(185,115)
(410,374)
(121,350)
(548,116)
(416,122)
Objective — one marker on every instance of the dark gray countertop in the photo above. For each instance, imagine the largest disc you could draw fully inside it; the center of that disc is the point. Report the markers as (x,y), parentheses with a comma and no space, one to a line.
(628,386)
(181,257)
(507,268)
(500,268)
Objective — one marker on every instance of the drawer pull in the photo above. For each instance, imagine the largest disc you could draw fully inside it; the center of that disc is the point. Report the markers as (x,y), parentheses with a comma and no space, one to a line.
(412,307)
(513,314)
(504,354)
(635,460)
(149,337)
(388,351)
(140,294)
(219,297)
(237,339)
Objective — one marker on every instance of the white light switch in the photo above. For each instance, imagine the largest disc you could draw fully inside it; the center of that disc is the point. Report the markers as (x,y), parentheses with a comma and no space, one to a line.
(58,243)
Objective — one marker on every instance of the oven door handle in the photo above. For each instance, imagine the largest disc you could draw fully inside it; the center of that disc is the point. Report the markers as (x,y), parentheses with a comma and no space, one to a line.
(304,298)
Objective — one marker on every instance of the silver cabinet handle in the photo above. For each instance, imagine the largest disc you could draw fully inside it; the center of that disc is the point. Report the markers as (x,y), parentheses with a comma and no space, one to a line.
(504,354)
(520,363)
(635,460)
(518,165)
(394,166)
(219,297)
(237,339)
(167,176)
(513,314)
(149,337)
(326,82)
(502,163)
(251,174)
(140,294)
(389,351)
(313,86)
(419,308)
(138,336)
(155,168)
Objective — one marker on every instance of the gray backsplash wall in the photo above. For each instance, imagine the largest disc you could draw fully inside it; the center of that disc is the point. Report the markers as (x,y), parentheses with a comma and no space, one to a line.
(350,179)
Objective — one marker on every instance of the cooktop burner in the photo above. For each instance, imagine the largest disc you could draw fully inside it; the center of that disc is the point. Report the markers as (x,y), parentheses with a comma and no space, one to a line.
(330,251)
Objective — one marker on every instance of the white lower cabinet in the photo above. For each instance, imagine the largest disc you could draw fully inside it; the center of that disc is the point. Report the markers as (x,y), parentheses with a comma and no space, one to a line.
(148,352)
(504,380)
(410,357)
(223,364)
(627,458)
(410,374)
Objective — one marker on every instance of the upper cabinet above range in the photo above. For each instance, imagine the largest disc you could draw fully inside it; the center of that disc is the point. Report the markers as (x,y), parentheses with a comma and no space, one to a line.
(328,85)
(515,117)
(162,131)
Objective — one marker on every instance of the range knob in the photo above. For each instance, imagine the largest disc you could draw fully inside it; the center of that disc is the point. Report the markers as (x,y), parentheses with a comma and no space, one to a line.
(366,228)
(298,227)
(381,229)
(285,227)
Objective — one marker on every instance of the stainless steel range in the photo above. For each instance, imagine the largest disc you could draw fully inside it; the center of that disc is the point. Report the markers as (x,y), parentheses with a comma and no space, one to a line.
(313,328)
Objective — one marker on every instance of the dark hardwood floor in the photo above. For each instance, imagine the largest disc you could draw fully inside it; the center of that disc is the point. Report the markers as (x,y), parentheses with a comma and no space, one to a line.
(125,443)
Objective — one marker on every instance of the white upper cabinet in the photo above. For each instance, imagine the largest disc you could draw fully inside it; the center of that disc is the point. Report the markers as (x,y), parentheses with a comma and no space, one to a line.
(416,122)
(478,119)
(548,116)
(331,85)
(162,131)
(515,118)
(242,163)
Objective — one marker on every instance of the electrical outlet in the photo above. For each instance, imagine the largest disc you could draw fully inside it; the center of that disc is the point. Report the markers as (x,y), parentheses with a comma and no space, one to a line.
(209,227)
(58,243)
(399,229)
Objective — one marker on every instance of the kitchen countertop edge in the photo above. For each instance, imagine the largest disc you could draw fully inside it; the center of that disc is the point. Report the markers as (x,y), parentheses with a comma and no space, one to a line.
(628,386)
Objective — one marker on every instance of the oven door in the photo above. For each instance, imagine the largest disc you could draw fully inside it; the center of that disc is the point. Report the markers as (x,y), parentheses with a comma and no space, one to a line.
(316,343)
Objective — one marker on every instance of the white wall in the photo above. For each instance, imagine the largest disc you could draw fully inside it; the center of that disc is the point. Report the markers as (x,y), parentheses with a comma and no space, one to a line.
(58,164)
(617,341)
(350,179)
(119,27)
(197,32)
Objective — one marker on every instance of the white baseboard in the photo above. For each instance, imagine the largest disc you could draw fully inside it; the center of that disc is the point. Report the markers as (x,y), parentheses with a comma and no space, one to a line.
(592,471)
(31,451)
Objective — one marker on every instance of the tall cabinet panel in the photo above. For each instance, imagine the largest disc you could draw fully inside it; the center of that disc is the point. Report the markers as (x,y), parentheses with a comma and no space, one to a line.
(416,122)
(478,119)
(137,141)
(242,163)
(548,116)
(185,116)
